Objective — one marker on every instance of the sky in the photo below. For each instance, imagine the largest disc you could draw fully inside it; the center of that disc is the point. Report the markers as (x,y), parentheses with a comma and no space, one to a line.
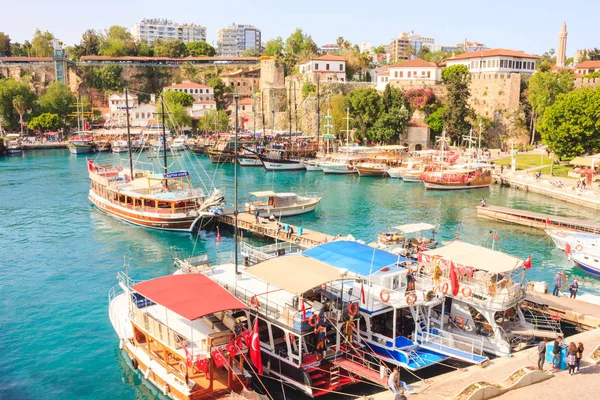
(531,26)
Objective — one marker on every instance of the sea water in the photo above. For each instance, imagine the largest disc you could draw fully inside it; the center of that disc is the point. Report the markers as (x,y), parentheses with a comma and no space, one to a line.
(59,256)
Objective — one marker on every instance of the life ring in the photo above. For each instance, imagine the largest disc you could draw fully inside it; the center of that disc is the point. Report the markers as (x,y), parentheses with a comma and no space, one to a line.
(466,291)
(254,302)
(459,322)
(352,309)
(384,295)
(411,299)
(182,367)
(579,247)
(430,295)
(444,288)
(324,287)
(313,320)
(134,363)
(297,240)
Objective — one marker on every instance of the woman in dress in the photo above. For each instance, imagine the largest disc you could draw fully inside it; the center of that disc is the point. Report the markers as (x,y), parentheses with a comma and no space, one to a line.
(572,357)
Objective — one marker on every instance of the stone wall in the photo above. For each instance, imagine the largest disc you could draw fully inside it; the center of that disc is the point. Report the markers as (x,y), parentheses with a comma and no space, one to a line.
(587,82)
(494,92)
(271,75)
(39,76)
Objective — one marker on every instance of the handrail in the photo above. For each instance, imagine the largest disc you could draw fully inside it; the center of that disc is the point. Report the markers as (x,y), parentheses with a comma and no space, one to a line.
(453,341)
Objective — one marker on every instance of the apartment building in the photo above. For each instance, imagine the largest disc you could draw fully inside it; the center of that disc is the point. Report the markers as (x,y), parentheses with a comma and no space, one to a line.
(234,39)
(152,29)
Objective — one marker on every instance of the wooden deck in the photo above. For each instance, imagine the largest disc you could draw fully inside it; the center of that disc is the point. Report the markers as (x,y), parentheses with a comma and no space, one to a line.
(582,314)
(536,220)
(266,228)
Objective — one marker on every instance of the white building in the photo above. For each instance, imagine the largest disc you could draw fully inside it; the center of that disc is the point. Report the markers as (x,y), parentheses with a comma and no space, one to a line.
(143,115)
(199,92)
(332,68)
(118,110)
(202,107)
(410,71)
(496,61)
(587,67)
(152,29)
(234,39)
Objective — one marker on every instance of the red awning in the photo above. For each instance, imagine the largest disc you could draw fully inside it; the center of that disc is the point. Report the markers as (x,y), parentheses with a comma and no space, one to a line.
(190,295)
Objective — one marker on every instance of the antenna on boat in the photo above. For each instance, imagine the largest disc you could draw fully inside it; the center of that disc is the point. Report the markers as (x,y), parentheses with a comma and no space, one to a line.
(128,134)
(290,110)
(318,109)
(164,133)
(235,184)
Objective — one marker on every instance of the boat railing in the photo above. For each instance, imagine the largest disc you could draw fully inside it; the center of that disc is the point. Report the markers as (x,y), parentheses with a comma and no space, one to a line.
(542,322)
(495,296)
(253,255)
(451,340)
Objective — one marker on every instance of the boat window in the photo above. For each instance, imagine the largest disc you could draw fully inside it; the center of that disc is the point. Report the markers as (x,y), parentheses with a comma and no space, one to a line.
(263,330)
(279,341)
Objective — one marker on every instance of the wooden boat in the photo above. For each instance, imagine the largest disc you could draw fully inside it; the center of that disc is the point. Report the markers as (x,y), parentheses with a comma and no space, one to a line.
(287,156)
(410,172)
(13,144)
(457,179)
(249,160)
(377,165)
(103,146)
(179,332)
(222,152)
(408,237)
(80,144)
(282,204)
(159,201)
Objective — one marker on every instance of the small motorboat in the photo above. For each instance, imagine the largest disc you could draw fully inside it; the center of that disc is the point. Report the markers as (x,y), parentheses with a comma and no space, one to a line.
(282,204)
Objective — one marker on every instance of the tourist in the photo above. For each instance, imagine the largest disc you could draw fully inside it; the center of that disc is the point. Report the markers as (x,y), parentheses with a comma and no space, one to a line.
(557,279)
(483,203)
(272,218)
(501,169)
(572,357)
(256,215)
(396,385)
(574,288)
(579,356)
(556,356)
(542,354)
(290,232)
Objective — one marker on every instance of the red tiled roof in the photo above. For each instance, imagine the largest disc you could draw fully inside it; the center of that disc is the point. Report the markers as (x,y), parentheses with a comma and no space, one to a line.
(414,63)
(493,53)
(28,59)
(329,57)
(248,101)
(187,85)
(205,102)
(588,64)
(385,73)
(416,123)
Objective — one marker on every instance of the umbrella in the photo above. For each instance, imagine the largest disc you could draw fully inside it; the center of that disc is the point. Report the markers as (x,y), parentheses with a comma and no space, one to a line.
(585,171)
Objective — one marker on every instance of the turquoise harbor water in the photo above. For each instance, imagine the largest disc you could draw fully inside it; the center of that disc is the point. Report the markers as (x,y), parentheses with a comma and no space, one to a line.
(59,257)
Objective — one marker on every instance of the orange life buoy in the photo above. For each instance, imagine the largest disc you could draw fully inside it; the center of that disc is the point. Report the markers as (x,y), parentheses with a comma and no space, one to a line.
(324,286)
(313,320)
(458,321)
(352,309)
(384,295)
(579,247)
(411,299)
(444,288)
(182,367)
(466,291)
(254,302)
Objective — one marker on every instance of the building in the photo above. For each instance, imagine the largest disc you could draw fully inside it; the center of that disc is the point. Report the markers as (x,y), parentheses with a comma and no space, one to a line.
(244,83)
(234,39)
(587,67)
(410,72)
(408,46)
(143,115)
(330,68)
(561,54)
(417,136)
(399,49)
(468,46)
(202,107)
(149,30)
(496,61)
(329,48)
(118,109)
(199,92)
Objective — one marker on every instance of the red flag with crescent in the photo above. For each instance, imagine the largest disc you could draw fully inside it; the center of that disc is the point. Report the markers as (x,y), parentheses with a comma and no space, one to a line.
(453,279)
(362,293)
(201,364)
(255,354)
(219,358)
(567,248)
(188,356)
(218,235)
(527,263)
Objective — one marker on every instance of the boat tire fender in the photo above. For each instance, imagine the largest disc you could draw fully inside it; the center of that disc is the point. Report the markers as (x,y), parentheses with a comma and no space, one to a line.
(352,309)
(384,295)
(444,288)
(459,322)
(134,363)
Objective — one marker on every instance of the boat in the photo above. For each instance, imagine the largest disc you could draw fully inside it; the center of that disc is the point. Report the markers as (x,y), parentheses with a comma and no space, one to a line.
(282,204)
(179,143)
(485,293)
(407,238)
(578,241)
(312,165)
(80,144)
(103,146)
(222,152)
(13,144)
(456,179)
(396,304)
(287,156)
(587,262)
(409,173)
(372,167)
(120,146)
(338,166)
(249,160)
(178,331)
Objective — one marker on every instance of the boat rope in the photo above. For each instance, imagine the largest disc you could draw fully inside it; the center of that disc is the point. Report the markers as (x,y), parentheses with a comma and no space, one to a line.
(313,387)
(257,375)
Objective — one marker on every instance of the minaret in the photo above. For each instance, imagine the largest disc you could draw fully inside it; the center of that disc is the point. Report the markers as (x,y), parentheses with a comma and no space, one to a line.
(561,54)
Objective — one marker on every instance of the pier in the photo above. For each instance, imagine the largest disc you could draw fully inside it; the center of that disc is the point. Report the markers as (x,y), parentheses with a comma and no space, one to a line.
(266,228)
(536,220)
(45,145)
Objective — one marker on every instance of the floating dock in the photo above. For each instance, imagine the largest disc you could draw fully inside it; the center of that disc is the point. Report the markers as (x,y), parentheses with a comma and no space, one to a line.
(536,220)
(269,229)
(44,146)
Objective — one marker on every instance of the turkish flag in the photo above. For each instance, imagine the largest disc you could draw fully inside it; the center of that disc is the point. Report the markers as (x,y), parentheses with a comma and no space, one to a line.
(453,279)
(496,238)
(90,164)
(218,235)
(201,364)
(527,263)
(188,356)
(255,354)
(567,248)
(303,308)
(362,293)
(219,358)
(548,222)
(232,348)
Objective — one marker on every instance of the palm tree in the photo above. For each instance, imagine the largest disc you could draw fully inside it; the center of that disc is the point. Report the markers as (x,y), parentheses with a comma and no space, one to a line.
(436,58)
(20,107)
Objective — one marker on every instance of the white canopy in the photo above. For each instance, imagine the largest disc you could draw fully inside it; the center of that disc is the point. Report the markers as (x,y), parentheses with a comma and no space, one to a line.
(269,193)
(412,228)
(478,257)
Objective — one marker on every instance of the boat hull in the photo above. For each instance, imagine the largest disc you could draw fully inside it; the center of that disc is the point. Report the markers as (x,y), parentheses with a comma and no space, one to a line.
(249,161)
(14,151)
(338,169)
(79,149)
(282,165)
(371,171)
(440,186)
(590,266)
(287,211)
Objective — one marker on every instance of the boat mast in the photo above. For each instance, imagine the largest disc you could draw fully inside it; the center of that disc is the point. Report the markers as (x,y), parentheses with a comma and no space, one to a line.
(318,108)
(295,106)
(254,116)
(235,184)
(128,133)
(164,133)
(290,111)
(262,110)
(347,132)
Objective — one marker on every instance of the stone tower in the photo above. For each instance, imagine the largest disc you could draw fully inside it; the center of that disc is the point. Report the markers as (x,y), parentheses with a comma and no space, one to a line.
(561,53)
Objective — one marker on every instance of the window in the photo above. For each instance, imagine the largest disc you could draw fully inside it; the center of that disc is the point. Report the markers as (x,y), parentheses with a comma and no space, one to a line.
(327,67)
(408,74)
(429,74)
(401,74)
(395,74)
(341,67)
(316,66)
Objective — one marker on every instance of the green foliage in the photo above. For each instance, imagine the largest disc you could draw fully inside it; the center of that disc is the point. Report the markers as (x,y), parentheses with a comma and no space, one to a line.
(365,106)
(436,57)
(593,54)
(58,100)
(423,52)
(145,50)
(421,98)
(214,121)
(199,49)
(4,45)
(308,88)
(457,112)
(220,90)
(154,79)
(545,87)
(571,127)
(274,47)
(170,48)
(41,44)
(45,122)
(11,89)
(188,71)
(593,75)
(434,120)
(20,50)
(107,77)
(390,125)
(178,117)
(338,114)
(298,47)
(118,42)
(379,50)
(252,52)
(89,45)
(181,98)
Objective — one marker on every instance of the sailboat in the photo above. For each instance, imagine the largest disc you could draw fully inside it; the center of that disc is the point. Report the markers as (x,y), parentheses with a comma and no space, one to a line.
(166,201)
(341,163)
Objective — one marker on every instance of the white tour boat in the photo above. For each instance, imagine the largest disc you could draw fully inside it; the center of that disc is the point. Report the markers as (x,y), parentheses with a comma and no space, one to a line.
(282,204)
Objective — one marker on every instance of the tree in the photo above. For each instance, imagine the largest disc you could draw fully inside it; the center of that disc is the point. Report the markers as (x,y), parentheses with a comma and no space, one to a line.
(118,42)
(274,47)
(178,117)
(45,122)
(571,127)
(58,100)
(379,50)
(423,52)
(173,97)
(390,125)
(170,48)
(188,71)
(41,44)
(594,54)
(90,44)
(435,121)
(20,107)
(200,48)
(592,75)
(11,89)
(20,50)
(437,57)
(457,112)
(308,88)
(220,90)
(110,77)
(252,52)
(365,106)
(338,106)
(214,121)
(4,45)
(421,98)
(297,43)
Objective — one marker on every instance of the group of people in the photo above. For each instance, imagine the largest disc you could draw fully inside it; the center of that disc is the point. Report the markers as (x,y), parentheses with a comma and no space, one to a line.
(574,355)
(558,279)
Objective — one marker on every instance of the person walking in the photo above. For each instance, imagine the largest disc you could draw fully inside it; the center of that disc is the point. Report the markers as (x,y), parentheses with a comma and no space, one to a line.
(542,354)
(557,279)
(556,356)
(580,350)
(572,357)
(256,215)
(574,287)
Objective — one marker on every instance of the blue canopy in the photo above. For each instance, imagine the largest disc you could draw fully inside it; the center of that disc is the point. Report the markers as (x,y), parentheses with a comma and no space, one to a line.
(355,257)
